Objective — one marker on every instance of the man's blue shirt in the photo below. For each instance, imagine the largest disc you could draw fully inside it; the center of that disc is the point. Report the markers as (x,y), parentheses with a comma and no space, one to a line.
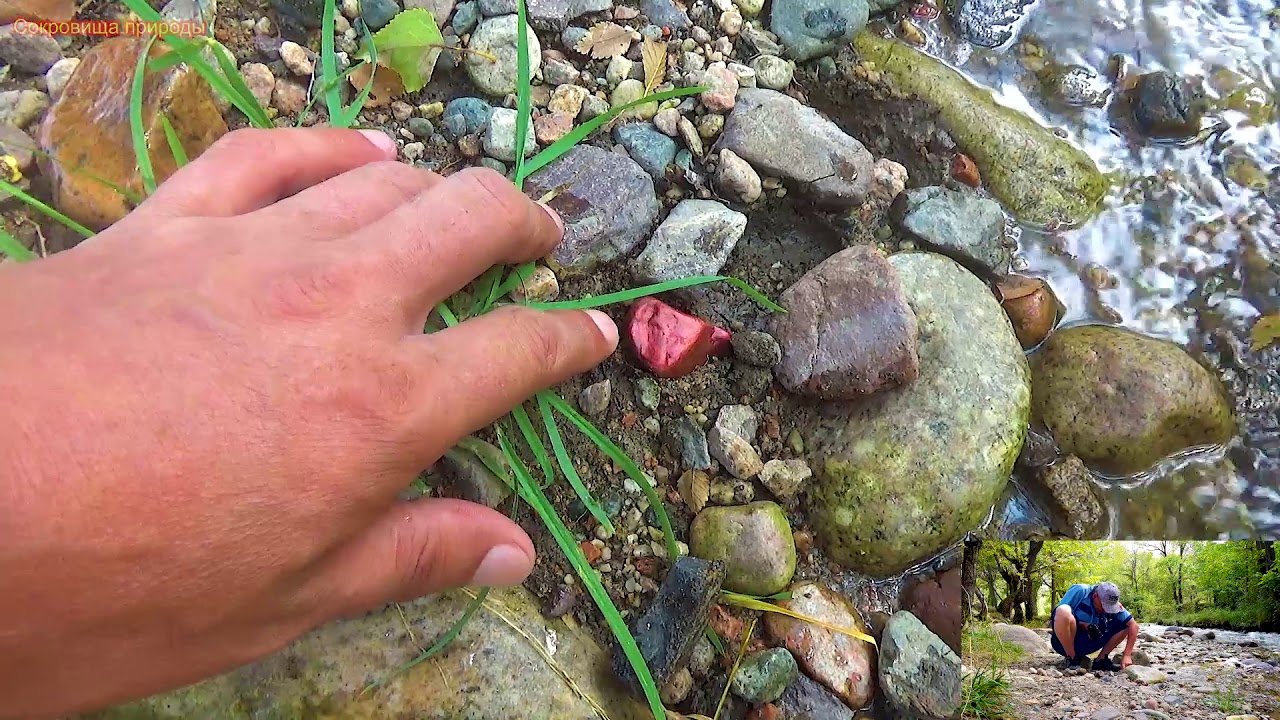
(1080,599)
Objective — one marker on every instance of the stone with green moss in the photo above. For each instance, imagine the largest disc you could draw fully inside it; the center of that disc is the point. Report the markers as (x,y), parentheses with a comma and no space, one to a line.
(906,472)
(1038,176)
(507,659)
(754,542)
(1123,401)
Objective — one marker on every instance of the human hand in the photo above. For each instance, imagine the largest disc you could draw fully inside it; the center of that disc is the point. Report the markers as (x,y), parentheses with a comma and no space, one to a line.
(211,407)
(1126,661)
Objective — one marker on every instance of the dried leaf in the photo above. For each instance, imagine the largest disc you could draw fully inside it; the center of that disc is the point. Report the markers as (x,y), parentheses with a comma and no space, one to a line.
(1266,332)
(695,487)
(605,40)
(387,85)
(654,54)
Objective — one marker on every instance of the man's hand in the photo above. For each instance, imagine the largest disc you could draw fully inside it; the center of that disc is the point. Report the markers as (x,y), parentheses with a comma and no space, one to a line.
(1126,661)
(210,408)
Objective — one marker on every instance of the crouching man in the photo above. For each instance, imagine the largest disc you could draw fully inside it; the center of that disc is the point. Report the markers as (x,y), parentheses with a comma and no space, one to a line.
(1090,618)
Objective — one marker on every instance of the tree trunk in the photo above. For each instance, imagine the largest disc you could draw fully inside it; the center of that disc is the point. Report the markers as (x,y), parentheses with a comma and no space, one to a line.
(968,578)
(1029,588)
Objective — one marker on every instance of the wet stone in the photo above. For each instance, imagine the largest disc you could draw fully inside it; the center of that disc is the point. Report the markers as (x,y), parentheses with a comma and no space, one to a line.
(667,632)
(753,541)
(919,674)
(781,137)
(844,665)
(1075,86)
(960,224)
(762,677)
(1074,505)
(607,202)
(689,441)
(810,28)
(805,699)
(696,238)
(1162,106)
(848,330)
(988,23)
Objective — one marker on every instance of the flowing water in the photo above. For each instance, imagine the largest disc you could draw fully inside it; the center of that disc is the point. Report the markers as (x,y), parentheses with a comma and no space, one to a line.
(1268,640)
(1187,246)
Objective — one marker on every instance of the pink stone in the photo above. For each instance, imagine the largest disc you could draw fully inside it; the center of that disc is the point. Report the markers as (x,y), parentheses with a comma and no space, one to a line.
(670,343)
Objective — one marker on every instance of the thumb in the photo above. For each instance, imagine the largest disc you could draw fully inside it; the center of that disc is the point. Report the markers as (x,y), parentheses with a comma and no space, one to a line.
(423,547)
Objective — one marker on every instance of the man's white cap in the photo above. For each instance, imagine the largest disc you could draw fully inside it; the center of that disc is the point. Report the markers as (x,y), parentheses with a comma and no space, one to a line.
(1109,596)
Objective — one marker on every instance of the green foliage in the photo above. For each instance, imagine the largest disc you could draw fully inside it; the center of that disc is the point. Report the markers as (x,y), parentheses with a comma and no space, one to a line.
(331,80)
(136,128)
(17,192)
(14,250)
(1227,701)
(403,44)
(983,646)
(985,696)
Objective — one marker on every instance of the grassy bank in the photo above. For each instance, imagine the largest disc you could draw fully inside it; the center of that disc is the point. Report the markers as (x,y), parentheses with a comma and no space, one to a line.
(1241,620)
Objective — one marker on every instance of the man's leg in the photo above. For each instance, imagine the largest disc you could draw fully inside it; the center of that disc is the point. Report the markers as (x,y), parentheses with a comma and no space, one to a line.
(1064,633)
(1104,657)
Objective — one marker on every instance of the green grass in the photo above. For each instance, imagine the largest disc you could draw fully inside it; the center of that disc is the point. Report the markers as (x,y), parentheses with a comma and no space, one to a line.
(1220,618)
(985,696)
(141,152)
(1227,701)
(982,646)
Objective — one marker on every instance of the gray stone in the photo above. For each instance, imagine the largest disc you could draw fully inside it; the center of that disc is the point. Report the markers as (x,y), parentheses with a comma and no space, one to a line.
(492,8)
(810,28)
(466,116)
(665,13)
(1029,640)
(18,145)
(652,150)
(594,399)
(730,441)
(1067,491)
(805,699)
(737,179)
(988,23)
(556,14)
(1121,401)
(690,442)
(421,127)
(763,676)
(1161,106)
(572,36)
(190,10)
(618,69)
(440,11)
(782,137)
(1145,675)
(848,330)
(377,13)
(648,394)
(560,72)
(757,348)
(492,63)
(607,202)
(919,674)
(57,77)
(465,17)
(762,40)
(32,53)
(753,541)
(773,72)
(667,121)
(593,106)
(696,238)
(21,108)
(493,660)
(500,138)
(1107,713)
(880,509)
(667,632)
(468,475)
(1075,86)
(784,478)
(960,224)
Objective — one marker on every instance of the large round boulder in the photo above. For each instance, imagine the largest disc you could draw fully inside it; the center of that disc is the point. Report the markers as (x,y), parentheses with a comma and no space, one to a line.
(1121,401)
(908,471)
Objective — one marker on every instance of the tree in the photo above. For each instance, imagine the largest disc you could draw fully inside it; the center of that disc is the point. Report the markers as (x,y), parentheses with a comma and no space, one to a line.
(969,577)
(1028,571)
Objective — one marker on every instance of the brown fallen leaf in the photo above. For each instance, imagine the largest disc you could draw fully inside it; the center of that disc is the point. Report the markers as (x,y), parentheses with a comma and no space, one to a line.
(387,85)
(654,55)
(1266,332)
(695,487)
(605,40)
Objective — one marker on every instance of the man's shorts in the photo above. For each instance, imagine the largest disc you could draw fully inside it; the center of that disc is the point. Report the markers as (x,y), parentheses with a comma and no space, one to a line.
(1085,645)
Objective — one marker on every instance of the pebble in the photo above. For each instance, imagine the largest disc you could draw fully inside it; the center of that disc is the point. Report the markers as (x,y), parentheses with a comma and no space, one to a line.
(500,138)
(465,17)
(540,286)
(18,145)
(560,72)
(736,178)
(843,664)
(550,127)
(753,541)
(813,28)
(805,699)
(652,150)
(593,106)
(722,88)
(648,394)
(765,42)
(785,478)
(696,238)
(496,37)
(470,478)
(667,120)
(1162,106)
(60,72)
(495,165)
(670,343)
(421,127)
(22,108)
(296,58)
(762,677)
(260,81)
(690,135)
(413,151)
(961,224)
(401,110)
(554,15)
(919,675)
(628,91)
(757,348)
(730,441)
(731,22)
(710,125)
(466,116)
(773,72)
(573,36)
(289,97)
(30,52)
(689,441)
(732,492)
(567,99)
(665,13)
(619,69)
(746,76)
(692,62)
(678,687)
(377,13)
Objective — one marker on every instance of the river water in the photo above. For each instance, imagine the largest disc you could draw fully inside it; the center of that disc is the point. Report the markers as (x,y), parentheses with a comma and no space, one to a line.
(1187,246)
(1270,641)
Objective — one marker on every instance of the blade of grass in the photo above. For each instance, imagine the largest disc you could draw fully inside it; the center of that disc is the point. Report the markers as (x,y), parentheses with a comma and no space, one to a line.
(580,133)
(515,279)
(446,314)
(535,444)
(716,642)
(439,645)
(141,152)
(742,650)
(329,61)
(619,457)
(227,62)
(15,250)
(534,497)
(347,117)
(524,86)
(175,145)
(567,468)
(634,293)
(750,603)
(18,193)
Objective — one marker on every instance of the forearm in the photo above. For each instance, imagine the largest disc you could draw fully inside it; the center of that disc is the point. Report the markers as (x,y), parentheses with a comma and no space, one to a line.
(1131,639)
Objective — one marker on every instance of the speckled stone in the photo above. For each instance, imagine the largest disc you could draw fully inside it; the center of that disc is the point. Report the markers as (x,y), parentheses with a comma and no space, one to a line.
(907,472)
(763,676)
(696,238)
(753,541)
(843,664)
(919,674)
(1121,401)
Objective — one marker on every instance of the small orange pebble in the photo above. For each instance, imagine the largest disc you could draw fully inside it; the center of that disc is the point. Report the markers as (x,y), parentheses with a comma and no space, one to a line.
(647,566)
(629,420)
(767,711)
(590,552)
(772,430)
(964,170)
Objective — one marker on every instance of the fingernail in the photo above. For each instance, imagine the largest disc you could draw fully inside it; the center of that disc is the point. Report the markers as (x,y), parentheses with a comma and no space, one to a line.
(503,566)
(380,140)
(555,216)
(607,328)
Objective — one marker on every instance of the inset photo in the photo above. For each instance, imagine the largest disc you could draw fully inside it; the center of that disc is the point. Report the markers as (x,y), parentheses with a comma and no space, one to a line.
(1121,630)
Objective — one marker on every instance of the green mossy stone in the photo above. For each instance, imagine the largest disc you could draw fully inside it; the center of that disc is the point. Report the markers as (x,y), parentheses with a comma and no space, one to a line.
(1121,401)
(754,542)
(1038,176)
(908,471)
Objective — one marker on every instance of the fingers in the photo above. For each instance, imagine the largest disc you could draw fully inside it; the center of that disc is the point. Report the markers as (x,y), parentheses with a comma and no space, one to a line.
(441,240)
(345,203)
(250,169)
(494,362)
(423,547)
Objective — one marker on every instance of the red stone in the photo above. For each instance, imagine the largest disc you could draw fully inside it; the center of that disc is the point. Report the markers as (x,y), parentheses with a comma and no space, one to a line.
(670,343)
(590,552)
(925,11)
(768,711)
(964,170)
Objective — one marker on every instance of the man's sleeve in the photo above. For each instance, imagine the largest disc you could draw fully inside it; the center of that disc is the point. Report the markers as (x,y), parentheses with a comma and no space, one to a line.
(1073,596)
(1124,617)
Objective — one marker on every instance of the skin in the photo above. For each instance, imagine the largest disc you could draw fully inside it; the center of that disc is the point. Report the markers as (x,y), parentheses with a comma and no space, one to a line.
(211,407)
(1065,627)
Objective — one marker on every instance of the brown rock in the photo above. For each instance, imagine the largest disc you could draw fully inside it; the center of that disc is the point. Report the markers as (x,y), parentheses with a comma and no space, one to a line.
(845,665)
(11,10)
(1031,306)
(550,127)
(1066,488)
(848,330)
(289,97)
(935,601)
(87,131)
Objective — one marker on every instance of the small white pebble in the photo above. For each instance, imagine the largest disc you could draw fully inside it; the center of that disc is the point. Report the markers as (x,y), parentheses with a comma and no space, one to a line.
(295,58)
